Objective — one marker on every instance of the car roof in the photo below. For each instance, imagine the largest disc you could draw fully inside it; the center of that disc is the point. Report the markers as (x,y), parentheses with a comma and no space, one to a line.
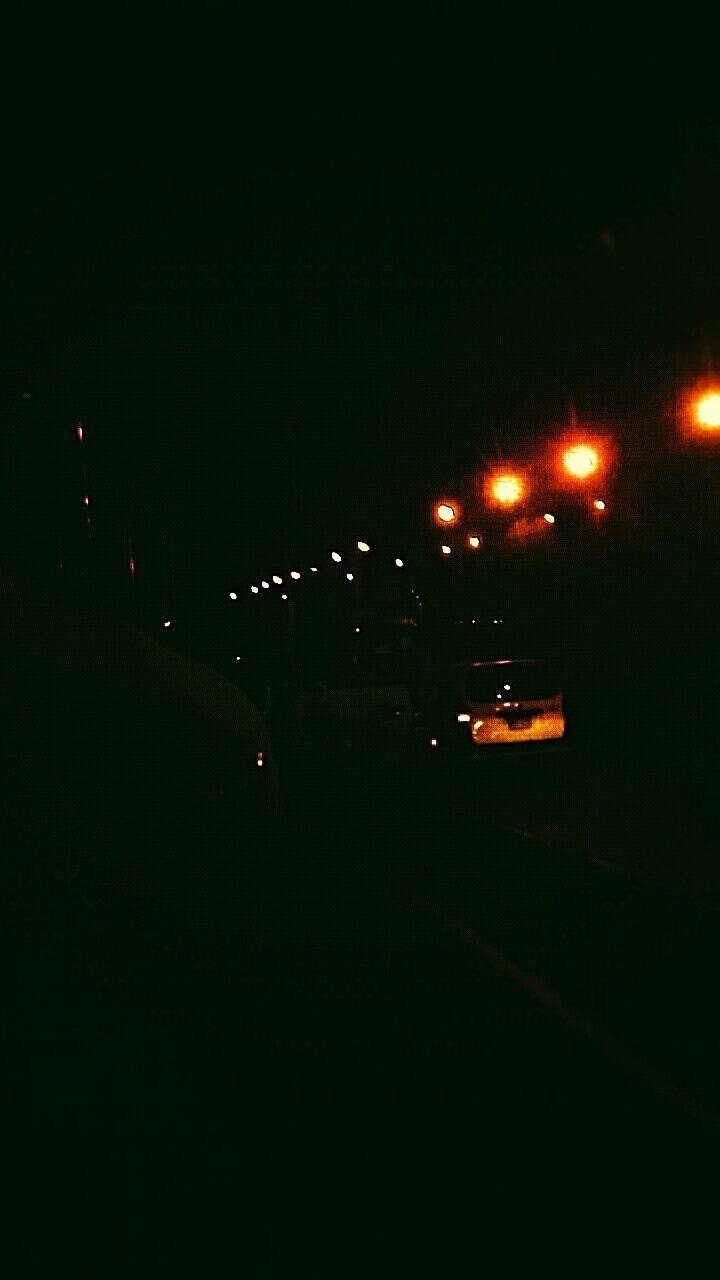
(511,662)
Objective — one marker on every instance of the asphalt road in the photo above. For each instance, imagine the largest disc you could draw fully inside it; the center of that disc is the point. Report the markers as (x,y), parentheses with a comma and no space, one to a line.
(394,1007)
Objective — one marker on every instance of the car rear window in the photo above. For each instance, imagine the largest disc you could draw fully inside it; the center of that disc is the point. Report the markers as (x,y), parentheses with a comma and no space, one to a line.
(512,681)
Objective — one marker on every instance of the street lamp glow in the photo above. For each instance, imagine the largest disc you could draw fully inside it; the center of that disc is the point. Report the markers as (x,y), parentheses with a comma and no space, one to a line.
(599,505)
(284,596)
(349,577)
(399,563)
(549,518)
(294,574)
(233,595)
(474,541)
(707,411)
(265,584)
(335,555)
(254,590)
(167,622)
(363,546)
(446,513)
(507,489)
(313,568)
(446,550)
(581,461)
(277,580)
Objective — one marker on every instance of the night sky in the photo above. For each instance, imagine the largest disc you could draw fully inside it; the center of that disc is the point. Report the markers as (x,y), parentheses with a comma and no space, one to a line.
(294,279)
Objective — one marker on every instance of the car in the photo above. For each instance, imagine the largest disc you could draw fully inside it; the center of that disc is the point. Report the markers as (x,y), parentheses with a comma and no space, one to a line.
(508,701)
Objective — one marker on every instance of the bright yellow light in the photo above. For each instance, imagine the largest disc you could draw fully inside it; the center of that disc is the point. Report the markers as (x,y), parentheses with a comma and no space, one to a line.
(581,461)
(549,518)
(507,489)
(294,574)
(433,742)
(463,717)
(233,595)
(260,760)
(265,584)
(79,431)
(445,549)
(398,563)
(707,410)
(474,541)
(335,555)
(254,590)
(445,512)
(363,546)
(599,505)
(86,500)
(349,577)
(277,579)
(166,623)
(313,568)
(283,597)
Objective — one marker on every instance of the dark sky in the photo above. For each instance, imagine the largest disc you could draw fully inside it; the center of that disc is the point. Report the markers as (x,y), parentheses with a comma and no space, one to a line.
(291,276)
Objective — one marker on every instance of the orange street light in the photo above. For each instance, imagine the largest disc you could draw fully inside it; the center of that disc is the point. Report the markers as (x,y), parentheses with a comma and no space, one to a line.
(474,541)
(581,461)
(507,489)
(707,411)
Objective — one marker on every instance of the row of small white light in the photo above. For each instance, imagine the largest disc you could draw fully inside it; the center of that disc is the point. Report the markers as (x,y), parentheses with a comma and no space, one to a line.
(473,621)
(295,574)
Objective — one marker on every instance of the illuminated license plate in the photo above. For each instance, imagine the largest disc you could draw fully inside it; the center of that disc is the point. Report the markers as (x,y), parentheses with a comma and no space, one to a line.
(524,722)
